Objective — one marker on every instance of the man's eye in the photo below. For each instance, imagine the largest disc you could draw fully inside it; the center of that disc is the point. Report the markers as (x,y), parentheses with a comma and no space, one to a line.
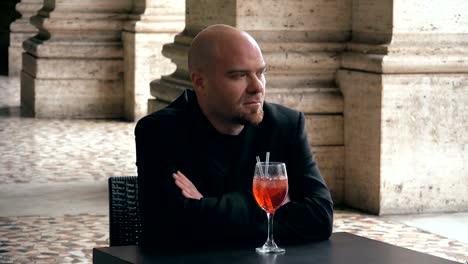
(238,75)
(261,72)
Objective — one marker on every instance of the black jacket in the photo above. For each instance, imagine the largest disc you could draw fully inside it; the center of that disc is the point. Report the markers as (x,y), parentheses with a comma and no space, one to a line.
(179,137)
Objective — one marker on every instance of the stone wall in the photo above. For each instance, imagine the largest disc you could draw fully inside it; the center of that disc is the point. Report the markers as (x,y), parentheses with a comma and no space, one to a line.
(404,80)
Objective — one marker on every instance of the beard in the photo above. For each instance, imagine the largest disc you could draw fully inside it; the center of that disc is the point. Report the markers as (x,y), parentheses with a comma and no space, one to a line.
(253,117)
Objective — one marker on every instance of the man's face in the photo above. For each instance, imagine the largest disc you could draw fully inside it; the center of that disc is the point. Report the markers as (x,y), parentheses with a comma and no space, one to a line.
(235,85)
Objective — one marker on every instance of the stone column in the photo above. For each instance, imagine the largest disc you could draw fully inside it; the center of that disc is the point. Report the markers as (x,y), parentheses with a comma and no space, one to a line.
(21,30)
(405,85)
(152,24)
(74,67)
(301,41)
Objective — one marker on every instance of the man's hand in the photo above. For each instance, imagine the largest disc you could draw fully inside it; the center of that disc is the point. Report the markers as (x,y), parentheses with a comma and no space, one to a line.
(186,186)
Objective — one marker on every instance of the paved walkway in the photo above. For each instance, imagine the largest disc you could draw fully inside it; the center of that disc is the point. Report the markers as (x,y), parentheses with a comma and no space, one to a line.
(59,151)
(53,192)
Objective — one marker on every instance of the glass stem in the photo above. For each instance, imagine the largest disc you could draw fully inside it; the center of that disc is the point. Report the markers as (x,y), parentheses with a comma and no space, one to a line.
(270,241)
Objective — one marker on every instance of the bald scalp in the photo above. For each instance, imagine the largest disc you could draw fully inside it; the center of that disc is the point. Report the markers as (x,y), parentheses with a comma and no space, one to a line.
(205,47)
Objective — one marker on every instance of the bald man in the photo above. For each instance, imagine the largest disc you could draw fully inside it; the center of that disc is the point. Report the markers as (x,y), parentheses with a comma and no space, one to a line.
(196,157)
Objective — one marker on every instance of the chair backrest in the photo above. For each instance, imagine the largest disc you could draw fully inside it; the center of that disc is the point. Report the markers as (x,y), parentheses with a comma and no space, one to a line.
(124,213)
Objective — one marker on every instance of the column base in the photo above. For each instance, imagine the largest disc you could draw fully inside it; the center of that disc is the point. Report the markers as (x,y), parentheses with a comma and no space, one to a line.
(49,98)
(406,145)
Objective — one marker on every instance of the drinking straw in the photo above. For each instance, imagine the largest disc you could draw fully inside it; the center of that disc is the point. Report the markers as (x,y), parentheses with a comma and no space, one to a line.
(267,161)
(260,167)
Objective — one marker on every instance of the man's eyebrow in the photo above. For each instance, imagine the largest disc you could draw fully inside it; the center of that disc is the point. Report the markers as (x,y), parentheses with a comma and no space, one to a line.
(237,71)
(240,70)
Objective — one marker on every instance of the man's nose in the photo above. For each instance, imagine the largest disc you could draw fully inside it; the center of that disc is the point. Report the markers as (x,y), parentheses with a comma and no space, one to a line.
(256,84)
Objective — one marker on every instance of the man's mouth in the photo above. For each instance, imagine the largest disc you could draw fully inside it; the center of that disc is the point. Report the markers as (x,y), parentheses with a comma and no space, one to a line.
(253,102)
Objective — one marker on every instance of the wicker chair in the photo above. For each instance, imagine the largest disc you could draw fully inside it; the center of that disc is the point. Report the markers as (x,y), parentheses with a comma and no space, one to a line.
(124,214)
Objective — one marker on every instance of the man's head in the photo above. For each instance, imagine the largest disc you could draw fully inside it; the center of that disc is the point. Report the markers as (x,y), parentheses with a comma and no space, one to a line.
(227,72)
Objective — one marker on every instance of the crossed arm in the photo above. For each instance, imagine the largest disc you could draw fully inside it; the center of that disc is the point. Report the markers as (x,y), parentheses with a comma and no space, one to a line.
(190,191)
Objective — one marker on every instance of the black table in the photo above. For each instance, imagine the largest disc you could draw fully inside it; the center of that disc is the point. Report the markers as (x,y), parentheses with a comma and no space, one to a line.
(340,248)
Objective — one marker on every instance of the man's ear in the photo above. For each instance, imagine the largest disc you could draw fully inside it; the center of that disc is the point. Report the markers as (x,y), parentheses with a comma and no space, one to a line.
(197,81)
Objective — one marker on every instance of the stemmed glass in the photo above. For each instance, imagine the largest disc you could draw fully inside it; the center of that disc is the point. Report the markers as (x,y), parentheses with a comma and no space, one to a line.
(270,187)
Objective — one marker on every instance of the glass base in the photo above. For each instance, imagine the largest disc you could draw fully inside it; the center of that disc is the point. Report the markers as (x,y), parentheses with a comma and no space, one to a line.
(270,249)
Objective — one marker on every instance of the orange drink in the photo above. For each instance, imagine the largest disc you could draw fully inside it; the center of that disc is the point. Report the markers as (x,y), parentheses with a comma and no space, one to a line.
(270,192)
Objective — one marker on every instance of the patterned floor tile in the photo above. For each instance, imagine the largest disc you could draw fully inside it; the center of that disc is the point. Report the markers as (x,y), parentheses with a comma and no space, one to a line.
(70,239)
(43,150)
(67,239)
(398,234)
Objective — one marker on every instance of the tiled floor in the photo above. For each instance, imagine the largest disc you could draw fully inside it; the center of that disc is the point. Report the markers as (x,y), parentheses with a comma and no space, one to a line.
(70,238)
(46,150)
(397,233)
(35,152)
(42,239)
